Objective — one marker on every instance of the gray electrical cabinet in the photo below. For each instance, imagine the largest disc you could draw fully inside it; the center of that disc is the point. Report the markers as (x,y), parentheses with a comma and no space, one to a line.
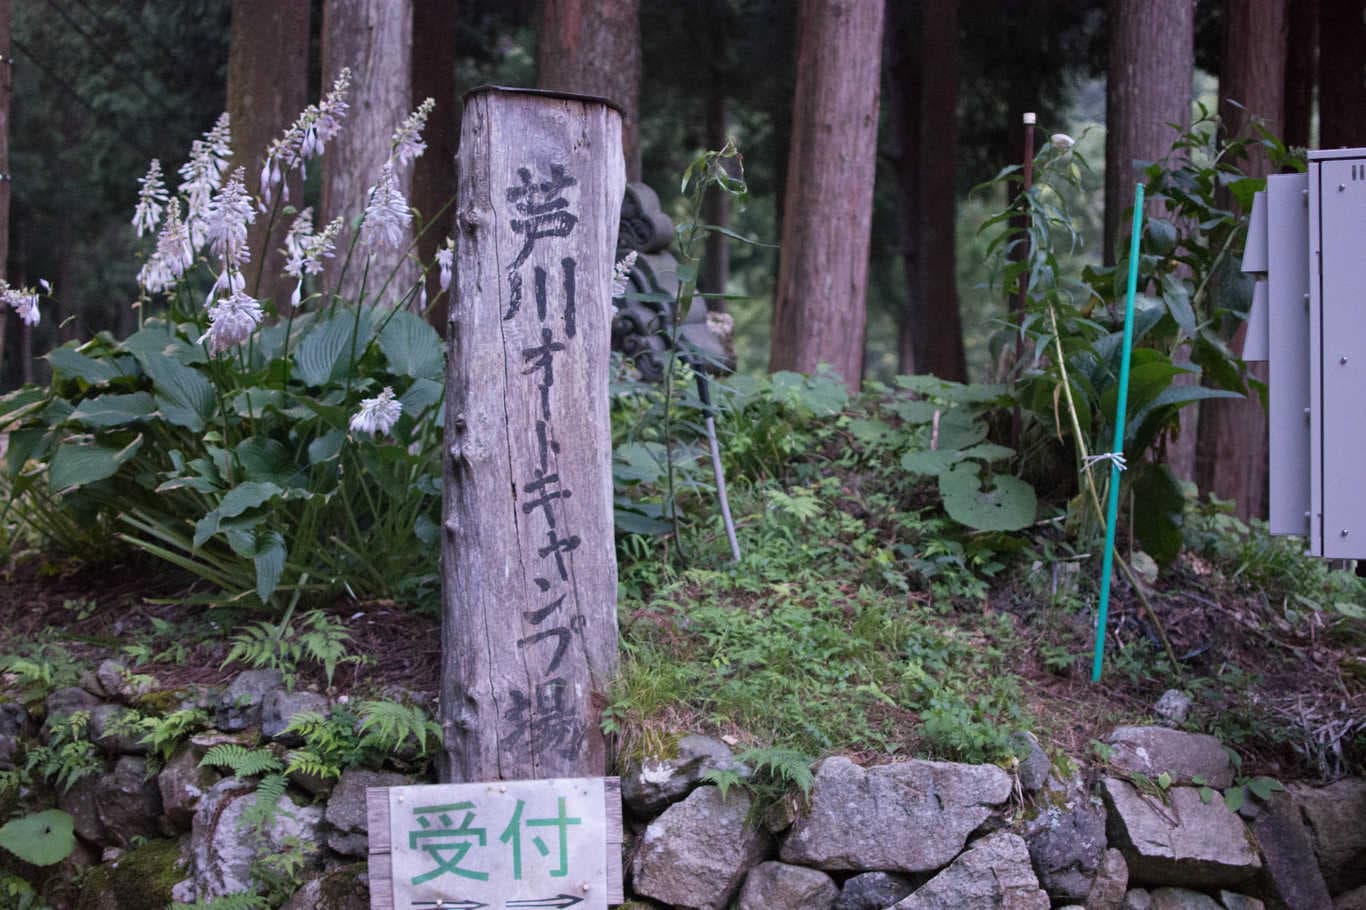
(1307,247)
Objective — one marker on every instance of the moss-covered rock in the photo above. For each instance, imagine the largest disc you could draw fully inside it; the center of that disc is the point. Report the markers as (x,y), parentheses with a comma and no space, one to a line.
(141,879)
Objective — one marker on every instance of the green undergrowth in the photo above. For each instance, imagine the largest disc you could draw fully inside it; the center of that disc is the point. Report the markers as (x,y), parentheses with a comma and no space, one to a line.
(816,640)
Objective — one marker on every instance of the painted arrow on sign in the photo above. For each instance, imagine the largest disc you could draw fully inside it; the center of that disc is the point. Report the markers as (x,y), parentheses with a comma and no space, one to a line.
(450,905)
(558,902)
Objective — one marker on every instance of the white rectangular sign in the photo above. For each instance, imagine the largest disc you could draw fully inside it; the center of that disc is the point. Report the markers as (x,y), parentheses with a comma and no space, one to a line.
(506,845)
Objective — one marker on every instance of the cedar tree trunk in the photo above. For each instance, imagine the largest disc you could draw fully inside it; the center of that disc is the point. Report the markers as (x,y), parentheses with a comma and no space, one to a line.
(818,312)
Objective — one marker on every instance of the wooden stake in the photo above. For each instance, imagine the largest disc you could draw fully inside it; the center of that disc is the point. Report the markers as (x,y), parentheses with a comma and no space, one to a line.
(529,635)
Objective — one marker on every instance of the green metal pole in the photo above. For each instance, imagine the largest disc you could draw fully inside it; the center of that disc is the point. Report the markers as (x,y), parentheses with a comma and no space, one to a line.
(1112,510)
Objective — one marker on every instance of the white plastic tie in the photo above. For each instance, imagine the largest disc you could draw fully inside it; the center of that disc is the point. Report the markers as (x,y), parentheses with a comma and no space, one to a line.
(1116,457)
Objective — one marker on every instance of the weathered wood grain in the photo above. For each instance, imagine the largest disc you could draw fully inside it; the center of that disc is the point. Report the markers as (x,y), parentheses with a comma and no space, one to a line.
(529,570)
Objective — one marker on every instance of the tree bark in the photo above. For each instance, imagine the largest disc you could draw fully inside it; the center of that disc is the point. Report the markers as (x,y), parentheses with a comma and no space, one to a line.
(1301,41)
(1342,74)
(923,82)
(529,638)
(1231,459)
(267,88)
(374,39)
(819,307)
(434,23)
(594,48)
(6,87)
(1152,63)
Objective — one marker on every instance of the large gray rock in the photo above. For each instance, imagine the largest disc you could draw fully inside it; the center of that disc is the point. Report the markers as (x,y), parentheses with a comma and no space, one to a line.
(346,815)
(1231,900)
(778,886)
(649,784)
(1066,847)
(1185,841)
(873,891)
(1182,899)
(65,702)
(1112,880)
(81,802)
(1034,762)
(695,855)
(112,730)
(1185,756)
(1334,817)
(1137,899)
(13,723)
(910,816)
(1351,900)
(115,681)
(280,707)
(994,874)
(128,803)
(222,848)
(1290,873)
(340,889)
(240,705)
(182,783)
(1172,708)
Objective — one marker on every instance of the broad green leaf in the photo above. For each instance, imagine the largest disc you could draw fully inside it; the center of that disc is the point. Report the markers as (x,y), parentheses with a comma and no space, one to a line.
(183,394)
(421,395)
(326,447)
(156,337)
(638,462)
(42,839)
(868,432)
(245,496)
(1162,236)
(270,563)
(931,462)
(1234,797)
(76,464)
(265,460)
(1264,787)
(958,430)
(20,400)
(114,410)
(915,411)
(1008,505)
(1158,516)
(412,347)
(325,352)
(254,402)
(988,451)
(67,361)
(1178,301)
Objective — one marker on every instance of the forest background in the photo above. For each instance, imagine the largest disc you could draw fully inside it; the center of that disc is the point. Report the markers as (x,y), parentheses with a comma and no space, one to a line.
(98,88)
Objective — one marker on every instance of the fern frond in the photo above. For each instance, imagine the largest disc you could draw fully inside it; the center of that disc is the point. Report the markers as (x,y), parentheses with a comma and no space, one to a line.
(785,766)
(243,762)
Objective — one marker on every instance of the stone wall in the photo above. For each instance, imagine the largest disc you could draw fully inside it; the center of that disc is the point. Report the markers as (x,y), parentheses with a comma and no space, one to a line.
(909,835)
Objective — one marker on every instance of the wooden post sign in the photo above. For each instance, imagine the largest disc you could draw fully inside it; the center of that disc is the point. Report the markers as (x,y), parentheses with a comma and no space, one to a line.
(529,630)
(529,635)
(505,845)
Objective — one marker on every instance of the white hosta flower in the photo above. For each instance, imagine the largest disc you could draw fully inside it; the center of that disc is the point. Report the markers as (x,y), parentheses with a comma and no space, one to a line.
(445,261)
(155,275)
(203,175)
(305,251)
(229,281)
(306,137)
(151,199)
(230,211)
(231,321)
(24,301)
(332,111)
(407,143)
(377,415)
(387,215)
(1061,141)
(621,274)
(173,243)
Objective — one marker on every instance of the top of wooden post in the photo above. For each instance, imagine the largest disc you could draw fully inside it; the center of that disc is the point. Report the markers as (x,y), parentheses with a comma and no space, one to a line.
(544,93)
